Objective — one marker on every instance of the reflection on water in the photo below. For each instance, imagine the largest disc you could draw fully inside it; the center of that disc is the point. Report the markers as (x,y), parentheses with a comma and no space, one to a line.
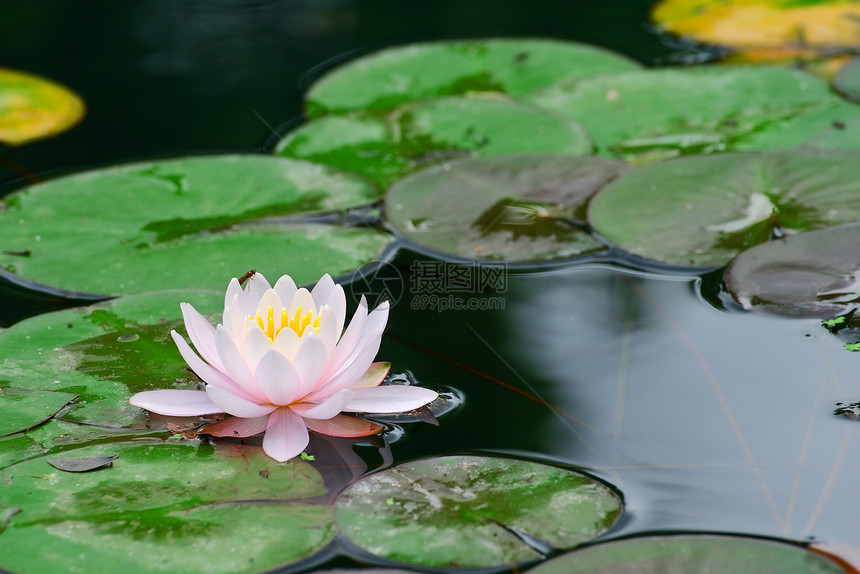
(220,38)
(704,419)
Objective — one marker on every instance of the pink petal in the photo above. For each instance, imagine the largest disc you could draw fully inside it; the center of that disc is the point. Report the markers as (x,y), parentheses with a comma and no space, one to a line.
(286,289)
(327,408)
(176,403)
(238,407)
(256,345)
(235,320)
(206,372)
(349,375)
(328,329)
(389,399)
(233,290)
(302,298)
(237,427)
(322,290)
(277,378)
(270,299)
(287,343)
(202,334)
(373,376)
(257,285)
(337,303)
(235,364)
(343,426)
(286,435)
(371,335)
(310,362)
(351,337)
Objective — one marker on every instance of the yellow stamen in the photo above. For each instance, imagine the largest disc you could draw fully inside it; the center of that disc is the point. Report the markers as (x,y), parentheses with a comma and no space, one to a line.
(298,323)
(297,320)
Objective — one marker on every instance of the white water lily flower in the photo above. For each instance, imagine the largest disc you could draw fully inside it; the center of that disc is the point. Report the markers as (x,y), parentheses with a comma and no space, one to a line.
(279,364)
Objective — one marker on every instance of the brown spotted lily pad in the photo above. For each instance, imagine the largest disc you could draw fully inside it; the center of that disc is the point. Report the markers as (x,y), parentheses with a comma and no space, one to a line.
(523,207)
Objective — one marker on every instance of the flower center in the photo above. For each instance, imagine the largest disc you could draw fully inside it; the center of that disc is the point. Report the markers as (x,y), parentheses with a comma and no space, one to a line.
(298,322)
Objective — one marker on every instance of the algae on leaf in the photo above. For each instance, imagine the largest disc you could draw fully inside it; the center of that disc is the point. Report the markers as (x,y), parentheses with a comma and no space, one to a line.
(87,351)
(473,512)
(163,507)
(386,146)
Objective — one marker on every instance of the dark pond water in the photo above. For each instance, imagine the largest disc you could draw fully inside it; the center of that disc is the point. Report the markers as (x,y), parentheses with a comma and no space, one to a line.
(706,419)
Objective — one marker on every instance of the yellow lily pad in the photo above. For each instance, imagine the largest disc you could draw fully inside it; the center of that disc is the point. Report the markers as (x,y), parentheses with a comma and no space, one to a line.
(32,107)
(763,22)
(747,23)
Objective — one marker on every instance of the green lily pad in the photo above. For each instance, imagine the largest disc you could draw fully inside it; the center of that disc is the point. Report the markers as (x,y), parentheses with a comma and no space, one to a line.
(847,81)
(163,507)
(387,146)
(835,125)
(24,409)
(815,274)
(424,71)
(682,111)
(511,207)
(691,553)
(473,512)
(702,211)
(17,447)
(184,223)
(104,353)
(32,107)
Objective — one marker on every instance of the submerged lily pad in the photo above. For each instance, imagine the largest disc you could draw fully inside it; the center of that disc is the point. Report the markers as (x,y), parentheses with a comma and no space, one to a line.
(163,508)
(702,211)
(513,207)
(24,409)
(32,107)
(709,553)
(104,353)
(681,111)
(847,81)
(473,512)
(424,71)
(815,274)
(388,146)
(184,223)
